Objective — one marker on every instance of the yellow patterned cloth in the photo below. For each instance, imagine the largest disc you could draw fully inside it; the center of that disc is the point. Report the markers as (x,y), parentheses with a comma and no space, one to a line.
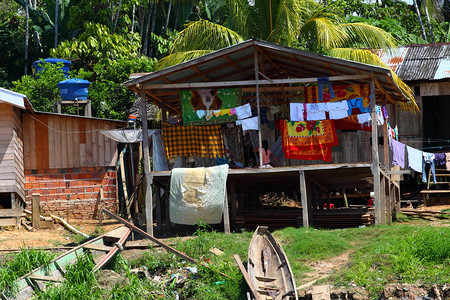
(202,141)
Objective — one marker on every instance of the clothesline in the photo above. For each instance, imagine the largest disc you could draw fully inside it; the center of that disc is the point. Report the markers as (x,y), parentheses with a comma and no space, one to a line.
(417,159)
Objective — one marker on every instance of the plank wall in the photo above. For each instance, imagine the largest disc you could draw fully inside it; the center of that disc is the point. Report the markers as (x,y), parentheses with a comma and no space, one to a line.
(55,142)
(12,176)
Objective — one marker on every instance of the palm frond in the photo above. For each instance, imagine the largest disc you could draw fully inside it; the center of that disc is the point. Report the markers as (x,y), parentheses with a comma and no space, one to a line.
(368,36)
(327,33)
(204,34)
(288,21)
(367,57)
(179,57)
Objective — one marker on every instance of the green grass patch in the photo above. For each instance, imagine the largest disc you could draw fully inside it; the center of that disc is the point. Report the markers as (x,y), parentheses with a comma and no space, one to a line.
(403,254)
(17,265)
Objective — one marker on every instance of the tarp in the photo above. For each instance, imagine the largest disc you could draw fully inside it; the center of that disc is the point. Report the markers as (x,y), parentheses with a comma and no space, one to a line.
(127,135)
(197,194)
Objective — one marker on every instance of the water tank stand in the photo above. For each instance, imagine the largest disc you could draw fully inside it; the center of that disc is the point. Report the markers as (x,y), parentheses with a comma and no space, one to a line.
(85,105)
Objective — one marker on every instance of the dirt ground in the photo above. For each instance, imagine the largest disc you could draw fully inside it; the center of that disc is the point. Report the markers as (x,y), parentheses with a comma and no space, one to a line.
(59,236)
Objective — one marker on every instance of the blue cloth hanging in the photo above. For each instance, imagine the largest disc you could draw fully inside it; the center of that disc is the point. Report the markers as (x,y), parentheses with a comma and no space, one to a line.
(321,81)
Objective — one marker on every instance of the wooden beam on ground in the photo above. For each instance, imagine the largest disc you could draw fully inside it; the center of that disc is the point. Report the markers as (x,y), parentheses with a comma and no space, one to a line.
(68,226)
(246,277)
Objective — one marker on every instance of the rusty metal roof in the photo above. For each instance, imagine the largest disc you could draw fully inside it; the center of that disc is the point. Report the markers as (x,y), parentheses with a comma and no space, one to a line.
(419,62)
(236,63)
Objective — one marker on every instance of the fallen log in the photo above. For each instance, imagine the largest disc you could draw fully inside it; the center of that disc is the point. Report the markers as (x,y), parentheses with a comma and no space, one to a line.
(68,226)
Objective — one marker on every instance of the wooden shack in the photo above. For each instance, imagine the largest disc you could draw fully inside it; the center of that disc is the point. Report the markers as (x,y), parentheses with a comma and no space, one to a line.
(64,158)
(269,74)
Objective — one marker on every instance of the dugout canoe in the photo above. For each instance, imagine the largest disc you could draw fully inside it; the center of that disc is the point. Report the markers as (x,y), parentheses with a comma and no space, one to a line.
(268,268)
(103,248)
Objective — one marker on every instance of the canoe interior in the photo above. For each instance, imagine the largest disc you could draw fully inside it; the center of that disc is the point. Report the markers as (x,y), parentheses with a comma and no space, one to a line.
(268,268)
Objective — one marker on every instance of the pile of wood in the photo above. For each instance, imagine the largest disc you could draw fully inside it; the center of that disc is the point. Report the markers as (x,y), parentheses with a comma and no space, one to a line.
(342,218)
(423,213)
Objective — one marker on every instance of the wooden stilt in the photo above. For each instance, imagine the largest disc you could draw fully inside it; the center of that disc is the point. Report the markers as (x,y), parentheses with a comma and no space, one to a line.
(304,199)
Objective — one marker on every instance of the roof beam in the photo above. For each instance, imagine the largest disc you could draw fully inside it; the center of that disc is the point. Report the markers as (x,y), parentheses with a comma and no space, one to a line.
(191,85)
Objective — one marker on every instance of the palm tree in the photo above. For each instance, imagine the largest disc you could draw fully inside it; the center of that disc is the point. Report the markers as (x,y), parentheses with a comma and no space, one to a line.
(304,24)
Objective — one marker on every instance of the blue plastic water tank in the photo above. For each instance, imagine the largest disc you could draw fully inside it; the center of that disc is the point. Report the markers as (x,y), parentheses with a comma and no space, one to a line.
(74,89)
(37,68)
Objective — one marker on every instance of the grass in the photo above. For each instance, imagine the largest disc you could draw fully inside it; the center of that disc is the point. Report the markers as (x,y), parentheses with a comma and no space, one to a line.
(15,266)
(405,252)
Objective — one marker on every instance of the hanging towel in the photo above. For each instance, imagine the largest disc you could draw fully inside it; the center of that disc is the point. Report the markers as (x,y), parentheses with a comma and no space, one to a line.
(364,118)
(447,161)
(244,111)
(197,194)
(297,112)
(202,140)
(337,110)
(398,153)
(439,159)
(316,111)
(380,118)
(415,159)
(248,124)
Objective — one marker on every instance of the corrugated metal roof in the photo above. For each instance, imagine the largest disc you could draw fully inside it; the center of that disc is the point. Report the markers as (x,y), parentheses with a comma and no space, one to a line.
(420,62)
(236,63)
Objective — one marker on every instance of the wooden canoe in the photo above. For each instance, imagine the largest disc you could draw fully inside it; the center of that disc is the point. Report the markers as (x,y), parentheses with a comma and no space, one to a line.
(268,268)
(102,248)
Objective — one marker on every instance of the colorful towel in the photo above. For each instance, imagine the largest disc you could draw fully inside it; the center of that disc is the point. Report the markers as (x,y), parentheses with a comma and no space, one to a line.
(208,101)
(308,140)
(197,194)
(202,141)
(344,92)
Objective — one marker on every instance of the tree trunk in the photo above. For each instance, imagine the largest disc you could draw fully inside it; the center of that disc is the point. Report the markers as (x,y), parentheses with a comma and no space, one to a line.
(147,29)
(169,9)
(150,52)
(27,32)
(429,23)
(56,22)
(117,16)
(132,18)
(177,15)
(420,21)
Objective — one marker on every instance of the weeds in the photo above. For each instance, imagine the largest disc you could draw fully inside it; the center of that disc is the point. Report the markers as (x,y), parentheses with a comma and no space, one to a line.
(24,262)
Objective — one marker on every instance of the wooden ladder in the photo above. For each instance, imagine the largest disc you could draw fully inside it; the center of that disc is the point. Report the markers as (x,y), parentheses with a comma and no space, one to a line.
(440,174)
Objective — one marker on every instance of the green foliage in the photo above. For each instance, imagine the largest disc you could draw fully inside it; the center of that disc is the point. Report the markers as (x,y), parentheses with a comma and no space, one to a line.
(97,44)
(109,98)
(42,89)
(22,263)
(398,254)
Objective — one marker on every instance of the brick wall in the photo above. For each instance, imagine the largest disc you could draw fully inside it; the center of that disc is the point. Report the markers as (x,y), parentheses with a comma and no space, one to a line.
(72,189)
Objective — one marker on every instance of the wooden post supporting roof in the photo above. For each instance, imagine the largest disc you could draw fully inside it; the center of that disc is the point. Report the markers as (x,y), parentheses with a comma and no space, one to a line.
(375,157)
(304,198)
(148,176)
(258,108)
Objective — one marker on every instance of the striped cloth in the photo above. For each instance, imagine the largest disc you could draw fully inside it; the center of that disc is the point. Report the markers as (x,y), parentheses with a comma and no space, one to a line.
(202,141)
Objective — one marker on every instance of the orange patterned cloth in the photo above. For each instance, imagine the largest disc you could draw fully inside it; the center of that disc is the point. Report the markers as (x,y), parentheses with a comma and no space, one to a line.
(309,140)
(343,92)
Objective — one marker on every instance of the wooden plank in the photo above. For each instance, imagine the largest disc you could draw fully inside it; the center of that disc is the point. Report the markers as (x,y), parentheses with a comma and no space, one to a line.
(246,277)
(89,145)
(76,142)
(98,247)
(226,214)
(375,158)
(41,137)
(153,239)
(434,191)
(101,145)
(45,278)
(64,142)
(11,212)
(36,210)
(249,82)
(94,137)
(8,222)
